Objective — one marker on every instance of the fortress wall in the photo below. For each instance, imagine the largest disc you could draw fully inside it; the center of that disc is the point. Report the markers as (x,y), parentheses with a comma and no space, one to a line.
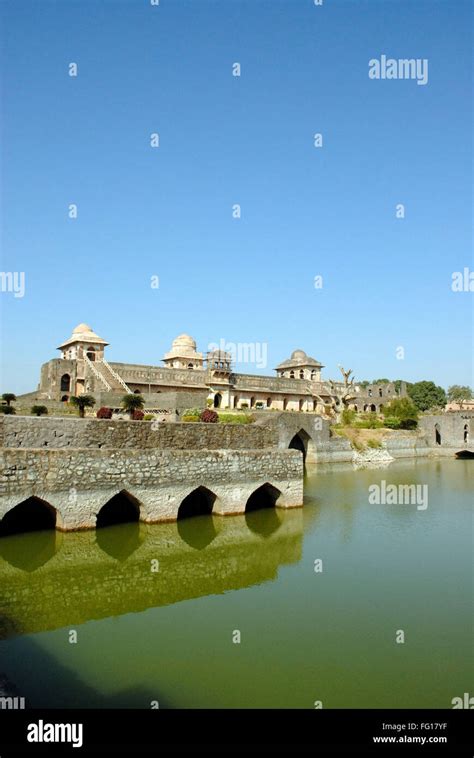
(56,433)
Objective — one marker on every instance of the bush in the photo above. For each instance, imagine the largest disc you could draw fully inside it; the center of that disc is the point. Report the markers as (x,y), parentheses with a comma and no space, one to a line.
(148,417)
(209,417)
(368,421)
(104,412)
(137,415)
(209,402)
(348,416)
(404,410)
(39,410)
(259,405)
(373,443)
(391,422)
(236,418)
(192,412)
(7,410)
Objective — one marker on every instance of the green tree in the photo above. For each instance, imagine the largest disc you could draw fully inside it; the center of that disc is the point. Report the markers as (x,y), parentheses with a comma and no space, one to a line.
(426,395)
(381,381)
(39,410)
(132,403)
(401,413)
(8,397)
(82,402)
(7,410)
(459,393)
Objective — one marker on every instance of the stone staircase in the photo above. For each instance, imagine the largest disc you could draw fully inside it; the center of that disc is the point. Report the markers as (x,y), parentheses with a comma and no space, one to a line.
(109,378)
(113,378)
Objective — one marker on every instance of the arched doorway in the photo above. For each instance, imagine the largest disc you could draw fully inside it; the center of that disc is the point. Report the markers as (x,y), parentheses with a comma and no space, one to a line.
(373,408)
(252,402)
(236,401)
(285,403)
(217,400)
(466,433)
(65,383)
(437,434)
(301,405)
(265,496)
(269,402)
(91,353)
(32,515)
(120,509)
(300,442)
(199,502)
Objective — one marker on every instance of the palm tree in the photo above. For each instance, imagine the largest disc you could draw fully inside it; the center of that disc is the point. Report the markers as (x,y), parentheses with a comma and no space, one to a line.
(82,402)
(39,410)
(132,403)
(8,397)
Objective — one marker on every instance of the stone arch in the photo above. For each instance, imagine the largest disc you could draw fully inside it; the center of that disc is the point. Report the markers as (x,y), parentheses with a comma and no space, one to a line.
(355,408)
(292,374)
(90,352)
(217,400)
(199,502)
(65,383)
(437,430)
(373,408)
(120,509)
(300,441)
(31,515)
(301,374)
(265,496)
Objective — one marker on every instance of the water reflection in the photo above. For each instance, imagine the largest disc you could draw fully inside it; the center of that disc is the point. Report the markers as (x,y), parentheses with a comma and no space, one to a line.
(121,540)
(96,574)
(30,550)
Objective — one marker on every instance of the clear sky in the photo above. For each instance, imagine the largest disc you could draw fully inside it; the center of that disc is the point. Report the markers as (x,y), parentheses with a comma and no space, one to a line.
(305,211)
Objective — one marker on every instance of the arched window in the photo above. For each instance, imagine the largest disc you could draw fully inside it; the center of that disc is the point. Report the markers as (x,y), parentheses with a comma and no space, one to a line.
(380,392)
(373,408)
(313,374)
(437,434)
(292,374)
(466,433)
(301,405)
(190,366)
(91,353)
(369,392)
(301,374)
(65,383)
(269,402)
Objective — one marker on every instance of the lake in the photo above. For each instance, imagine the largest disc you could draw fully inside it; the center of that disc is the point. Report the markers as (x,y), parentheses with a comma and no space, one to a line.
(317,596)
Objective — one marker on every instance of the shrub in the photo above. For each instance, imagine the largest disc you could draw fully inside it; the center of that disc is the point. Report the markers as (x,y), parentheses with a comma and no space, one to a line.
(209,417)
(187,418)
(104,412)
(192,412)
(373,443)
(391,422)
(209,402)
(148,417)
(137,415)
(348,416)
(236,418)
(368,421)
(259,405)
(404,410)
(39,410)
(7,410)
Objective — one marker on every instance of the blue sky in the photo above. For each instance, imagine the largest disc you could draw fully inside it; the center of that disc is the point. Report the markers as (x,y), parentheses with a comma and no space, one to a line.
(306,211)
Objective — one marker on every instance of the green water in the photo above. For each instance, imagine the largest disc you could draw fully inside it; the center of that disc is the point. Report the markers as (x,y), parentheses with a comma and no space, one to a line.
(306,636)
